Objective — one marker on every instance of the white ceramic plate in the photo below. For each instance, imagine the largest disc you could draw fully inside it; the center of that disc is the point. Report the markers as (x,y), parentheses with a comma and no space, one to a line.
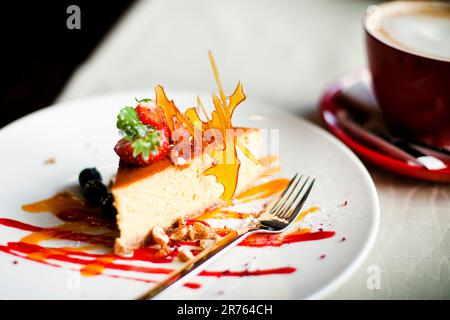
(82,134)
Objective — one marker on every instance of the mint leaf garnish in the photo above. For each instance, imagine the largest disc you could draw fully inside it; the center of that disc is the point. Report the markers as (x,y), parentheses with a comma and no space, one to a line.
(130,125)
(143,100)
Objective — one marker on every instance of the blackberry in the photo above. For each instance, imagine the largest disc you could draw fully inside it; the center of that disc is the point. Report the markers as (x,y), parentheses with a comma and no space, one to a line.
(107,205)
(94,191)
(89,174)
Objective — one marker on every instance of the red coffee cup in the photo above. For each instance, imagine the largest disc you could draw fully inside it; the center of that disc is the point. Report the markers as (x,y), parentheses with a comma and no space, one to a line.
(410,73)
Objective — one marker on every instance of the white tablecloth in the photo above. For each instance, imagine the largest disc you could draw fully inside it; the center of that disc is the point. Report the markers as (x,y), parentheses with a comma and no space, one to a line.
(284,52)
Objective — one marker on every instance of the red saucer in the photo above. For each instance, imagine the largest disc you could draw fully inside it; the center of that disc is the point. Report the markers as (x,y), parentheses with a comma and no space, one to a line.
(330,105)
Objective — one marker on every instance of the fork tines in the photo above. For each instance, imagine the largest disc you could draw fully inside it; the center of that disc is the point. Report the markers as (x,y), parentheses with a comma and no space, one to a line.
(291,201)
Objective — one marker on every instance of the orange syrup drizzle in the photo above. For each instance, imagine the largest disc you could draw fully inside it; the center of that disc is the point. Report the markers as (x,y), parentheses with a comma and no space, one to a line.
(96,267)
(270,164)
(263,190)
(57,203)
(269,160)
(37,237)
(89,218)
(305,213)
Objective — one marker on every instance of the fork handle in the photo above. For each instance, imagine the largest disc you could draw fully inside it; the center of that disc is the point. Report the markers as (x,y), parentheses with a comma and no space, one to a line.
(192,267)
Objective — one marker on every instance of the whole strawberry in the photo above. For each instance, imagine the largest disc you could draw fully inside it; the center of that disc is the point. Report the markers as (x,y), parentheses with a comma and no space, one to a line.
(142,144)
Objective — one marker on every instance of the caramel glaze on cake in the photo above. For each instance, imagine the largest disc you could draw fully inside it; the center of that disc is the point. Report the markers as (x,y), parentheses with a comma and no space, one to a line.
(161,193)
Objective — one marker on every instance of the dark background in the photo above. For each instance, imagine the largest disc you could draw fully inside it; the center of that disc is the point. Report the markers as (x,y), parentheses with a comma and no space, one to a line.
(39,52)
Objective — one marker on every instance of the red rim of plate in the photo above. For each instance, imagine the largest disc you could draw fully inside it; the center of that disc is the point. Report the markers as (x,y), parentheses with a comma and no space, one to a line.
(328,107)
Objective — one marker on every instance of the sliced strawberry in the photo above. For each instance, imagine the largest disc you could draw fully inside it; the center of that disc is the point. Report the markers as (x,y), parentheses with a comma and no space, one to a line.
(124,150)
(149,116)
(153,116)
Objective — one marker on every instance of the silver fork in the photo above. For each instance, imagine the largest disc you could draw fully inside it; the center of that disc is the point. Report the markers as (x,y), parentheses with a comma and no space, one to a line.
(278,216)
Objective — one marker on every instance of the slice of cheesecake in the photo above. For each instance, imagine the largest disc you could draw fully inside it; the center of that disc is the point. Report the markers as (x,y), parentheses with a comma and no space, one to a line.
(162,192)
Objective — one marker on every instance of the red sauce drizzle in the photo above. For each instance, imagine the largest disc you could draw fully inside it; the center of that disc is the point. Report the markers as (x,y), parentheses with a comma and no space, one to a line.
(83,224)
